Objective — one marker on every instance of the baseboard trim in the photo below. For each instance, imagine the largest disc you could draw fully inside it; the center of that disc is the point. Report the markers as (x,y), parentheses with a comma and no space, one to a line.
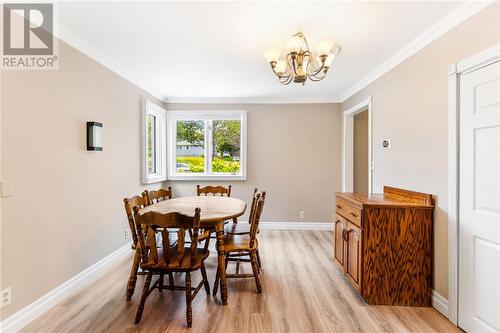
(439,303)
(296,225)
(31,312)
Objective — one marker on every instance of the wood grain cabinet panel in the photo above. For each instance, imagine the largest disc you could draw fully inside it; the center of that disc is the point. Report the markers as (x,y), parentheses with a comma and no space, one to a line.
(340,224)
(353,254)
(383,243)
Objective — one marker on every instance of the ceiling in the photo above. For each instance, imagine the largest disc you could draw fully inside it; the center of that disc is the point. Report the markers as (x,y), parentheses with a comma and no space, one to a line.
(213,51)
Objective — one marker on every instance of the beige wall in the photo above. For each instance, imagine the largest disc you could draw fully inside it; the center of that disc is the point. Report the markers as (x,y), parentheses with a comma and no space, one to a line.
(66,213)
(360,152)
(293,154)
(410,107)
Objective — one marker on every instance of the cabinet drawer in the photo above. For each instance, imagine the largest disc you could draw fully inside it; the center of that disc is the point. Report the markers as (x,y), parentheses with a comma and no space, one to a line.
(349,211)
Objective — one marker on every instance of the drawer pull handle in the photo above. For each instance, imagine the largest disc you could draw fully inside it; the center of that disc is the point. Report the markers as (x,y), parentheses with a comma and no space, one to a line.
(345,235)
(354,215)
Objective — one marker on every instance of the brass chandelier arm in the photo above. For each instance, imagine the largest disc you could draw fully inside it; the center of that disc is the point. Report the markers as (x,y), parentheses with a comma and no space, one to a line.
(286,81)
(319,70)
(318,78)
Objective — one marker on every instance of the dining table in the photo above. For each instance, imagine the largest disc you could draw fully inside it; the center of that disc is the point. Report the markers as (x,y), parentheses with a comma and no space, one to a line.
(215,210)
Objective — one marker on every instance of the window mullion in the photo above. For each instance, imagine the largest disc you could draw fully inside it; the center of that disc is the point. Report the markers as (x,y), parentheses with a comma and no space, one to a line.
(208,146)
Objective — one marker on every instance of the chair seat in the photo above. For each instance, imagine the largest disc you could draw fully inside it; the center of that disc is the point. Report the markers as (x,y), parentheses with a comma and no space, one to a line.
(237,243)
(238,229)
(177,261)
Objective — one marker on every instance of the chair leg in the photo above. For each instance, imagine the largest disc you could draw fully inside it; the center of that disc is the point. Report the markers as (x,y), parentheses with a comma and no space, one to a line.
(161,282)
(189,311)
(216,282)
(171,279)
(255,269)
(133,275)
(258,259)
(145,294)
(205,279)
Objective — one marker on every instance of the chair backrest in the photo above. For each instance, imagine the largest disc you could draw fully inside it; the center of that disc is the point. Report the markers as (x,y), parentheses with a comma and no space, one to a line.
(255,218)
(252,206)
(213,190)
(159,223)
(130,204)
(157,195)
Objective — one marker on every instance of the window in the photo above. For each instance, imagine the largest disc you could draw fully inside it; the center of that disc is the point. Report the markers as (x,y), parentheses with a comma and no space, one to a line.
(154,143)
(207,145)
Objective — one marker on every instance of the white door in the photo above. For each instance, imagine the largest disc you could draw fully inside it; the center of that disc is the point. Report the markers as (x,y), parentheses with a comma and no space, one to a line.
(479,239)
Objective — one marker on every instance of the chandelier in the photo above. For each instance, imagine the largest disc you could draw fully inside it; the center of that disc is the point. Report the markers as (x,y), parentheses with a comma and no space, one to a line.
(300,63)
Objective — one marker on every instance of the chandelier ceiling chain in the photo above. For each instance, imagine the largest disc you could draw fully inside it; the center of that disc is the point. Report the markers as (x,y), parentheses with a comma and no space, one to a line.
(300,63)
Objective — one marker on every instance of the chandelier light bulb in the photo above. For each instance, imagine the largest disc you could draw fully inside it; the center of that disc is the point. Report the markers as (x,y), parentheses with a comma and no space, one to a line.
(272,55)
(329,59)
(324,47)
(295,44)
(280,66)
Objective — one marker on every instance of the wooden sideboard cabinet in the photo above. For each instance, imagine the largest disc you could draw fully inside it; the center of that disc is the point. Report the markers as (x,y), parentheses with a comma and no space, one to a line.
(383,243)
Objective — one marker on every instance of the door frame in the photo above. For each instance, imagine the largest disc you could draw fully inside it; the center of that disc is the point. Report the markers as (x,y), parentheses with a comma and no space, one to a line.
(455,71)
(348,141)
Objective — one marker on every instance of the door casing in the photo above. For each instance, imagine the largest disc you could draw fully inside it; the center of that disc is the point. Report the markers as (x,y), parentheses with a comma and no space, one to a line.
(472,63)
(348,145)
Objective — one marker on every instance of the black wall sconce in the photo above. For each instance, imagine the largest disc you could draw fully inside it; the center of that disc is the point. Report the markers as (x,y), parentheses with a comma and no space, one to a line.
(94,136)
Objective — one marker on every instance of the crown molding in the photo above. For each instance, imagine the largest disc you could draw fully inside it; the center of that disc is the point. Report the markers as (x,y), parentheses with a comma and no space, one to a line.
(250,100)
(448,22)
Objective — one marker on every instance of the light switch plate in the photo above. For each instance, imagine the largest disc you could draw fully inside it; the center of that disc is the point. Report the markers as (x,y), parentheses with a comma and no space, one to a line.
(7,189)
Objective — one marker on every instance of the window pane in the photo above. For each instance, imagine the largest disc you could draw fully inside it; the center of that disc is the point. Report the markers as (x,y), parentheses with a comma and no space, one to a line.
(190,151)
(226,146)
(151,144)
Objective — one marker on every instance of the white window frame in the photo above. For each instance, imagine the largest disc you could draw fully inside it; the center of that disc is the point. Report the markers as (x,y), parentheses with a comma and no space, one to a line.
(160,114)
(174,116)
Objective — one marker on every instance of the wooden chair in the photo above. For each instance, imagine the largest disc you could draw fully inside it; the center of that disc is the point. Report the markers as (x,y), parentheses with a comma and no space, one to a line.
(157,195)
(215,191)
(130,203)
(243,228)
(239,228)
(238,246)
(169,259)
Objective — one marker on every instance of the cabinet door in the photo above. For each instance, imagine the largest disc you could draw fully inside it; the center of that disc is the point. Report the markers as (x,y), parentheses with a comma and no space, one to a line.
(353,254)
(339,227)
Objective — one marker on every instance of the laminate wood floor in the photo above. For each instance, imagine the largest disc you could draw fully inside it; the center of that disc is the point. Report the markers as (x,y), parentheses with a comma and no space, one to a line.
(303,291)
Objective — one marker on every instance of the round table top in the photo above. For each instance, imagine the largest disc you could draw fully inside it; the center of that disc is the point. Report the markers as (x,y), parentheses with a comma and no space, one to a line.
(213,208)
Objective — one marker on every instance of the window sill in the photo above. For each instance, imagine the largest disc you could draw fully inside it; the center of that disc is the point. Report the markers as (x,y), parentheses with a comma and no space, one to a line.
(208,177)
(153,180)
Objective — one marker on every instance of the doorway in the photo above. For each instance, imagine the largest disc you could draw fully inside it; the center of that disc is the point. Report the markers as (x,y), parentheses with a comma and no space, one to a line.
(475,192)
(357,162)
(360,152)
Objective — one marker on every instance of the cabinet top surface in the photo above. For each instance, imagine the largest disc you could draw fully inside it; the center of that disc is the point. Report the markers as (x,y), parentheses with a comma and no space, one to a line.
(391,197)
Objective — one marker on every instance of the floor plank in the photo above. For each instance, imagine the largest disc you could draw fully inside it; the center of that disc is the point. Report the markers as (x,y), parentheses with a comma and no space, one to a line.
(303,292)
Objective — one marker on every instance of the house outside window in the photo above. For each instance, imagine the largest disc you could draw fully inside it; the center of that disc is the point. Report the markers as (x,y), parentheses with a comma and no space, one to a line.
(208,145)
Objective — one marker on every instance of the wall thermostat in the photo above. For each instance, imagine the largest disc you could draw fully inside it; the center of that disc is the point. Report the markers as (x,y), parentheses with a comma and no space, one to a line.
(386,143)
